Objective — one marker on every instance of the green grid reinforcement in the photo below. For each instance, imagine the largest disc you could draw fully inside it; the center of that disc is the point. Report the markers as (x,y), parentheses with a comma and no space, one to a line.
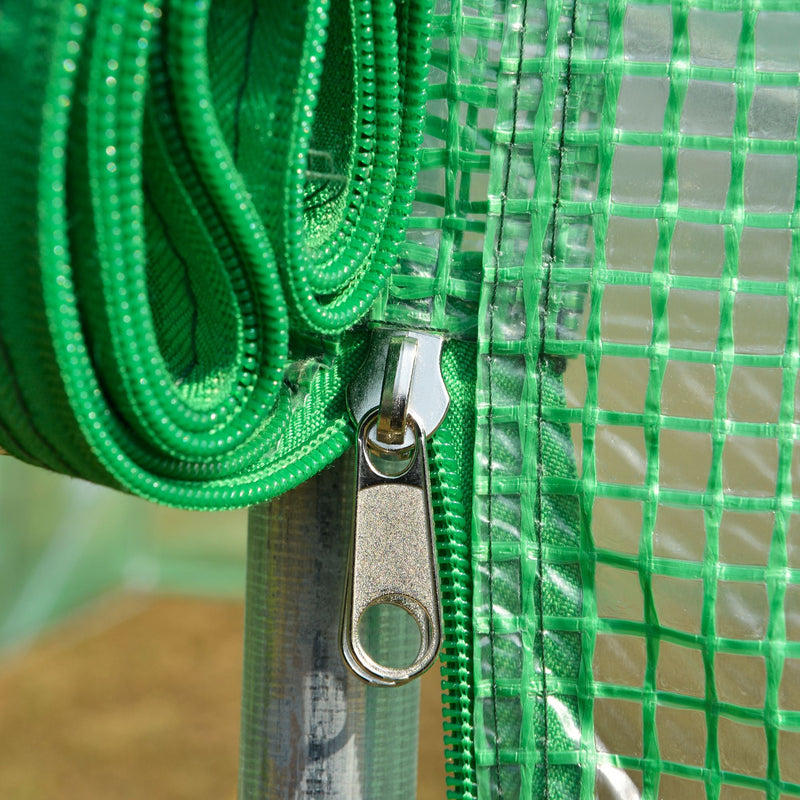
(608,200)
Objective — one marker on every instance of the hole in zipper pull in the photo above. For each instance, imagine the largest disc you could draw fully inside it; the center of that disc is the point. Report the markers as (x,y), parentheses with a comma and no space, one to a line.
(390,634)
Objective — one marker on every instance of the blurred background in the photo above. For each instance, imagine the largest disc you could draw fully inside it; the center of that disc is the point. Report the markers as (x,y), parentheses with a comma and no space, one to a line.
(121,647)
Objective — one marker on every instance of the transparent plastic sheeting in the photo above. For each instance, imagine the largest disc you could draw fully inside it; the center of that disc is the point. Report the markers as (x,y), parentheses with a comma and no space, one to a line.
(635,276)
(65,544)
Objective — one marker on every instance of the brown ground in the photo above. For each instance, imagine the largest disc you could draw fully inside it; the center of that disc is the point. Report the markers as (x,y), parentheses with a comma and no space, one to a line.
(141,700)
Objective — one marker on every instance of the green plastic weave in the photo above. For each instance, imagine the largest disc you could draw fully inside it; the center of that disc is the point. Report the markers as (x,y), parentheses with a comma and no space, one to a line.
(200,201)
(606,227)
(643,156)
(608,200)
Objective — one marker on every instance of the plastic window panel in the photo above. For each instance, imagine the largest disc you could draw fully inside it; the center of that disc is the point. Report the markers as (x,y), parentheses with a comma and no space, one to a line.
(791,605)
(680,671)
(618,594)
(681,735)
(745,537)
(764,254)
(693,319)
(642,103)
(777,34)
(708,109)
(631,244)
(688,390)
(611,781)
(742,748)
(788,748)
(774,113)
(770,183)
(759,324)
(622,384)
(742,610)
(740,679)
(620,454)
(704,178)
(754,393)
(697,250)
(618,726)
(789,693)
(731,792)
(678,603)
(575,383)
(616,524)
(627,315)
(684,460)
(679,534)
(750,466)
(637,175)
(714,37)
(647,33)
(619,660)
(681,787)
(793,540)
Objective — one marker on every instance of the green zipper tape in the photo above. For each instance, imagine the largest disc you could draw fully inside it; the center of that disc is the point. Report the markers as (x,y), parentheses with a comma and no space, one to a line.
(452,450)
(198,201)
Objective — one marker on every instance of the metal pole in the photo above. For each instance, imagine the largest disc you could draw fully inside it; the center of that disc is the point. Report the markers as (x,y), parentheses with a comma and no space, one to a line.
(310,729)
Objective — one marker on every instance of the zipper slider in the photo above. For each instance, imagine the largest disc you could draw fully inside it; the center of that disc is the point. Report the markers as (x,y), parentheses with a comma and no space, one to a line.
(397,400)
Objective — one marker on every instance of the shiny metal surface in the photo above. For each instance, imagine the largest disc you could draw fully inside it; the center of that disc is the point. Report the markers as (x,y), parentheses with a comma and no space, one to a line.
(428,399)
(310,728)
(397,377)
(393,561)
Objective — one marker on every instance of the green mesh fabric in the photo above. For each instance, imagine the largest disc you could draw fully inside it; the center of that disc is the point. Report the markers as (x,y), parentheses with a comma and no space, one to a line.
(200,201)
(607,201)
(635,603)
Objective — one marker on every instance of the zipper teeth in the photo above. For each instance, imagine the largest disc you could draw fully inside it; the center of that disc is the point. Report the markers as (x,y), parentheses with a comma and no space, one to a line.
(396,129)
(137,433)
(452,510)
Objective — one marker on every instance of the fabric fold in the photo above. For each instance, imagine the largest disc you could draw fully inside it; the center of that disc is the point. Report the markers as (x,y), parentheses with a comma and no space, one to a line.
(201,201)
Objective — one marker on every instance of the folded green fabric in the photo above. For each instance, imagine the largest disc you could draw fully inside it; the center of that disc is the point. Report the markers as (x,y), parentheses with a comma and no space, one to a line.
(199,201)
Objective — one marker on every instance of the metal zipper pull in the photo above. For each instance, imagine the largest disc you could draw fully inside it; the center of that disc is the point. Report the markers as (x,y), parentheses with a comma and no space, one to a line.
(397,400)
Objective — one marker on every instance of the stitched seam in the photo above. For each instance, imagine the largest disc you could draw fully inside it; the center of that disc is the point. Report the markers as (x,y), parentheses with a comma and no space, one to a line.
(187,280)
(540,360)
(493,302)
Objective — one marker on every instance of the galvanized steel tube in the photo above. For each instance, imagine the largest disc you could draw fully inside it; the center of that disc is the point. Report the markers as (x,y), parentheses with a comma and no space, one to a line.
(310,729)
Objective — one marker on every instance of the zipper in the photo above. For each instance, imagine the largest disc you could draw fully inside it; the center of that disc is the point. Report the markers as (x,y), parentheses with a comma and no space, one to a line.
(183,400)
(441,369)
(452,460)
(397,400)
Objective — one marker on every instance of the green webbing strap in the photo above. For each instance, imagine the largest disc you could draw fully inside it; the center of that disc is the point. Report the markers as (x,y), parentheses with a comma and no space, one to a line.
(197,201)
